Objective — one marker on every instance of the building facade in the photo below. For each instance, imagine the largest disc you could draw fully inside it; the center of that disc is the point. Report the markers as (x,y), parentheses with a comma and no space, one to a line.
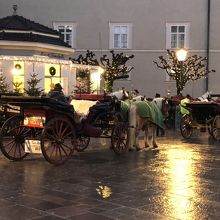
(145,28)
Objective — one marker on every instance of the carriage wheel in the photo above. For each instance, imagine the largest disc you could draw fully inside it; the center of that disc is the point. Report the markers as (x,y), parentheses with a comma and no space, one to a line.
(58,140)
(12,138)
(216,128)
(185,126)
(82,143)
(119,139)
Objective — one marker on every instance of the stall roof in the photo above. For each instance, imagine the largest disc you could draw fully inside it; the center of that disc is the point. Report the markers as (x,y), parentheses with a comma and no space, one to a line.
(18,28)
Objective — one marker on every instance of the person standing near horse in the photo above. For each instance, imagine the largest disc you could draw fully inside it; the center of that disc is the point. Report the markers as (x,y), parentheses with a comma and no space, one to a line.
(159,101)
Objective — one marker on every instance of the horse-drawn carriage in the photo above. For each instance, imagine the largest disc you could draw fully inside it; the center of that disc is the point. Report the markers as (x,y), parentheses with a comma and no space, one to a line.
(47,126)
(203,116)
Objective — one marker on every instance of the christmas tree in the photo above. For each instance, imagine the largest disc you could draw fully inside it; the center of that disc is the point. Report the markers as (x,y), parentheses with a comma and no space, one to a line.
(32,89)
(17,87)
(4,86)
(83,82)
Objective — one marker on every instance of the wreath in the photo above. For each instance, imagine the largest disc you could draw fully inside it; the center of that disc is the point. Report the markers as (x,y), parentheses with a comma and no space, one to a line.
(52,71)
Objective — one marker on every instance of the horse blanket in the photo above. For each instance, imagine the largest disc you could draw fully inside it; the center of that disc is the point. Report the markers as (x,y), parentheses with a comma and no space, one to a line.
(146,109)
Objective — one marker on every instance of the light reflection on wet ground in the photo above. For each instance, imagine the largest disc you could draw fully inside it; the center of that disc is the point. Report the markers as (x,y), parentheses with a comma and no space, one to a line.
(179,180)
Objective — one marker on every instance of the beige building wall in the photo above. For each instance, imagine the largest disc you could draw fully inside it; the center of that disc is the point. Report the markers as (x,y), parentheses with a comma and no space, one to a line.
(148,19)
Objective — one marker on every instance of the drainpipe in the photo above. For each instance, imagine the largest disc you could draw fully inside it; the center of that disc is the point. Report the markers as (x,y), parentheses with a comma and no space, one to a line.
(208,42)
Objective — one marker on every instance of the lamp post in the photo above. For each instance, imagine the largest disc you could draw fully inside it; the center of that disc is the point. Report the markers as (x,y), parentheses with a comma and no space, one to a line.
(181,57)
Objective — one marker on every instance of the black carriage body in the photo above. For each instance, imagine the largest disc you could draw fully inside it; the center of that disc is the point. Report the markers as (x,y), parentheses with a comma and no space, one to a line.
(44,126)
(39,106)
(203,112)
(203,116)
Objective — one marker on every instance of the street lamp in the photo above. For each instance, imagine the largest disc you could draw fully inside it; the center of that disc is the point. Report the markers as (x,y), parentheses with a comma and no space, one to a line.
(181,54)
(181,57)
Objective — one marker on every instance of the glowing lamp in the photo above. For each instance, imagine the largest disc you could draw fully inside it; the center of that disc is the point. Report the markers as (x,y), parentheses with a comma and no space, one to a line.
(181,54)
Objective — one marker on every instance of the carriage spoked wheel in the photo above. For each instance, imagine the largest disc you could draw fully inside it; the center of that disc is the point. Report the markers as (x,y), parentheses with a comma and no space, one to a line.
(216,128)
(186,126)
(119,139)
(12,138)
(82,143)
(58,140)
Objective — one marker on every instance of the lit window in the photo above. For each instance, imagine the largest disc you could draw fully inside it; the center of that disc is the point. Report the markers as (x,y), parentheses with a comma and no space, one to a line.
(18,76)
(120,36)
(68,32)
(177,35)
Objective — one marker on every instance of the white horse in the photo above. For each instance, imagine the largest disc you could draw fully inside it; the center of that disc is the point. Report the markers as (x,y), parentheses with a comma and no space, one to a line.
(121,94)
(138,123)
(205,97)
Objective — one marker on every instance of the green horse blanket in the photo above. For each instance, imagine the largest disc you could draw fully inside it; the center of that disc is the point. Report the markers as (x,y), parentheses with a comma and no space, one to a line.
(146,109)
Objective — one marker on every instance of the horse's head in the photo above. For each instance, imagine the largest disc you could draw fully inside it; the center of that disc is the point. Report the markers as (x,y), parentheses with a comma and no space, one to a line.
(206,96)
(121,94)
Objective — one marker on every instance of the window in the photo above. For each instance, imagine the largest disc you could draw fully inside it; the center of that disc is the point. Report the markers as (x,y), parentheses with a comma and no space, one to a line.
(51,79)
(120,35)
(177,35)
(68,32)
(18,76)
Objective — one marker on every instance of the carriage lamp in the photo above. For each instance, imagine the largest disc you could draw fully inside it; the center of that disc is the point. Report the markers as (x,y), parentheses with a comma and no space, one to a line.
(181,54)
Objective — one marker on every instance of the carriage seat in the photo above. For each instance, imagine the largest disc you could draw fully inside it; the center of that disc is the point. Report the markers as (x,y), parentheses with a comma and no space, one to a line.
(100,107)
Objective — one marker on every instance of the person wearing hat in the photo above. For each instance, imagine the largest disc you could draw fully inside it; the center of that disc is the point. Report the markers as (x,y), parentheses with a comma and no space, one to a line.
(57,93)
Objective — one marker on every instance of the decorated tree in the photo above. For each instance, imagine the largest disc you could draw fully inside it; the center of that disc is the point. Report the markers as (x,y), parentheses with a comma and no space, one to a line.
(83,82)
(88,59)
(4,86)
(32,89)
(114,67)
(191,69)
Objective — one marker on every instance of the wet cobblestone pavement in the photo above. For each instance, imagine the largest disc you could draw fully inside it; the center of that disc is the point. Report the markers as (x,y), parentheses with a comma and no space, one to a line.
(179,180)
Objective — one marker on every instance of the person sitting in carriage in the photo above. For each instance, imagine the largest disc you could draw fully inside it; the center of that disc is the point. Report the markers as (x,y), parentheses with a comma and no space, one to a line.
(183,102)
(57,93)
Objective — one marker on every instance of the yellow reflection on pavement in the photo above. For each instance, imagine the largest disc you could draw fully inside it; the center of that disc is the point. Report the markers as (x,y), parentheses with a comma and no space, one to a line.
(104,191)
(181,178)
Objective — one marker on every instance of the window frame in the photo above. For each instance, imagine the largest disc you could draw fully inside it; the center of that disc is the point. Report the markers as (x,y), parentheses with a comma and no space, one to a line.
(73,25)
(112,25)
(169,32)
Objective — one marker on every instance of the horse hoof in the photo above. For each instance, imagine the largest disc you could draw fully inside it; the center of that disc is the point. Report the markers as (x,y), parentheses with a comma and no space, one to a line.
(155,146)
(138,148)
(147,146)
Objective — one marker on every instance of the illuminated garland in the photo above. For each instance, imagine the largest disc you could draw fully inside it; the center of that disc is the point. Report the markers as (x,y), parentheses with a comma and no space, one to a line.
(42,59)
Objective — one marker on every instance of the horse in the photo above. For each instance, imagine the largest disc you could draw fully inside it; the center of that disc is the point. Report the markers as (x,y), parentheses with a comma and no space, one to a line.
(205,97)
(121,94)
(144,115)
(151,118)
